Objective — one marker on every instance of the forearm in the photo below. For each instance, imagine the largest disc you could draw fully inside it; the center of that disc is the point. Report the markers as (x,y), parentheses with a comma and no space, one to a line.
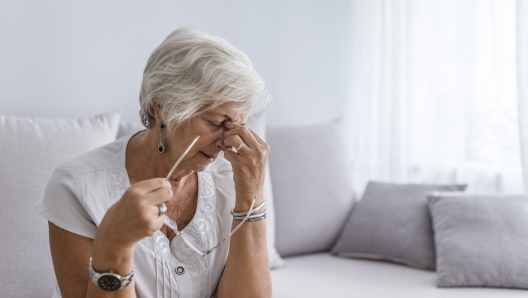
(247,272)
(106,258)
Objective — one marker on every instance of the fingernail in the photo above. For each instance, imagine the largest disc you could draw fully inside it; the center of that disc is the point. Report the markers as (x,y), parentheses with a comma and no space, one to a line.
(225,133)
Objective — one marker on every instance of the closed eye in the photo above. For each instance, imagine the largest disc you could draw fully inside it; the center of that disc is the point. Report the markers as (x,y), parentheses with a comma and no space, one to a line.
(217,124)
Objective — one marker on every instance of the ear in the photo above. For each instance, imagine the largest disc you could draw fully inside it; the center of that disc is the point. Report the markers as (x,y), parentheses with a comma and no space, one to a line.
(157,113)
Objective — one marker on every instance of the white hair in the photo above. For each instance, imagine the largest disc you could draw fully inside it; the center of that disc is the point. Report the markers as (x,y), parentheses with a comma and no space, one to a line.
(192,72)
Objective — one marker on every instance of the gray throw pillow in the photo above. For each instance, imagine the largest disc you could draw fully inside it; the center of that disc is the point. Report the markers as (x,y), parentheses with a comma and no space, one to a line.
(481,240)
(392,222)
(311,186)
(30,149)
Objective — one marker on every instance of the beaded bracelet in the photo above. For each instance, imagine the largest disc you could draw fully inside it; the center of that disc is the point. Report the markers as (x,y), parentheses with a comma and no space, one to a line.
(244,213)
(254,217)
(259,218)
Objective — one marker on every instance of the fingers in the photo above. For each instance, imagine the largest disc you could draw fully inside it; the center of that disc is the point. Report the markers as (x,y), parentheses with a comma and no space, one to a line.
(233,156)
(155,220)
(154,213)
(233,141)
(257,137)
(159,196)
(158,222)
(149,202)
(244,133)
(153,191)
(238,134)
(151,185)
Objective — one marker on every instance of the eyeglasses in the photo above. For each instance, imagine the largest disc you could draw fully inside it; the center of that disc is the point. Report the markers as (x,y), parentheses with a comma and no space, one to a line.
(195,246)
(185,237)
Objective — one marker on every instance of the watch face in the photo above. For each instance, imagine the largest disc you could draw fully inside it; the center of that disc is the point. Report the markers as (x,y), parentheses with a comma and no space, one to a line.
(109,282)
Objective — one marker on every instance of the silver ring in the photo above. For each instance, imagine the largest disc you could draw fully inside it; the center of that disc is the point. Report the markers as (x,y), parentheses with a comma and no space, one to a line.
(241,146)
(162,209)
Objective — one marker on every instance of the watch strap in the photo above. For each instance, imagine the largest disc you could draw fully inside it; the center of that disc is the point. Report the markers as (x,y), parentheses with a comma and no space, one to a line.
(124,280)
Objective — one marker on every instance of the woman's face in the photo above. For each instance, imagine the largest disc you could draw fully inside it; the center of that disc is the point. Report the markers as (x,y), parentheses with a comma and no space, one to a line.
(210,127)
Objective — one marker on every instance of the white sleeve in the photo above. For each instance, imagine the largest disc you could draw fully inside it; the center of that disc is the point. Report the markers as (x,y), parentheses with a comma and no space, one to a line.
(63,203)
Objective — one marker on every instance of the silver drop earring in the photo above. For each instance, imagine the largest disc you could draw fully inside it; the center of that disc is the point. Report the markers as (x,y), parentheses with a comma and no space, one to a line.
(161,146)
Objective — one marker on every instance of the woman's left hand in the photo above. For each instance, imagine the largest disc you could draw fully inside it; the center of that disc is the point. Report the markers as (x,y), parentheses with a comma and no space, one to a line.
(249,163)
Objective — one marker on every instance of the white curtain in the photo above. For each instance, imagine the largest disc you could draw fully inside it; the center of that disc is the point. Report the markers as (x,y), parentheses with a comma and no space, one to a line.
(522,81)
(434,93)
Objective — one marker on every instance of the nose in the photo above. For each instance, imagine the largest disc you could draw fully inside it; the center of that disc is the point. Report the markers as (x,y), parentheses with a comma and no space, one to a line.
(219,142)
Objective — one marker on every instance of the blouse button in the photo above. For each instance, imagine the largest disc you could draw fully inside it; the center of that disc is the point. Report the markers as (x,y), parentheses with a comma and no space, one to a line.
(180,270)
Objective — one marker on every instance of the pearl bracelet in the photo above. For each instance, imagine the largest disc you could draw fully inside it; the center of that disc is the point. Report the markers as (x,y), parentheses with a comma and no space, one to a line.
(243,214)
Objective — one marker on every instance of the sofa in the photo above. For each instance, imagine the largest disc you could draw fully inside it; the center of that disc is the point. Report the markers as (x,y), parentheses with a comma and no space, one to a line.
(309,193)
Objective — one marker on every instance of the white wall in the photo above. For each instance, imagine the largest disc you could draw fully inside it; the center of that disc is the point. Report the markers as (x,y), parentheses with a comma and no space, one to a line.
(79,58)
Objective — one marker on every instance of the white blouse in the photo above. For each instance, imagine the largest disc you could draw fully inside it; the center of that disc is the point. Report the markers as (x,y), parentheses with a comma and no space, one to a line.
(81,190)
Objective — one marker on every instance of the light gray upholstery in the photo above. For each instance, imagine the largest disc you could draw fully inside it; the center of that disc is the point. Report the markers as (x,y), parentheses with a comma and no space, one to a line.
(311,186)
(324,275)
(30,150)
(481,240)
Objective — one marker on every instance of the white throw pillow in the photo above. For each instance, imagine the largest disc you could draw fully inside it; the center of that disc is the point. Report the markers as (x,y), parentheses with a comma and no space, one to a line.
(312,187)
(30,149)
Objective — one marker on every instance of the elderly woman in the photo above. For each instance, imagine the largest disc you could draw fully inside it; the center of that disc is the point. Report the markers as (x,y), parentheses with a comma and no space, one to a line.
(106,207)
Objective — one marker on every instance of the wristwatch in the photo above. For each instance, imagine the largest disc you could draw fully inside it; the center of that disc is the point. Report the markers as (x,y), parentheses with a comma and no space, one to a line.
(109,281)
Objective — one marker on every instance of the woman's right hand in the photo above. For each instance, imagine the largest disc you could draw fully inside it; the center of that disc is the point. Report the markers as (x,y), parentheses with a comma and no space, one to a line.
(136,215)
(132,218)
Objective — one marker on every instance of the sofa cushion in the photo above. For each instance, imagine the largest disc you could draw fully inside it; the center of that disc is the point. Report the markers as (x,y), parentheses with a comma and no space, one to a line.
(311,186)
(31,149)
(257,123)
(323,275)
(392,222)
(481,240)
(128,128)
